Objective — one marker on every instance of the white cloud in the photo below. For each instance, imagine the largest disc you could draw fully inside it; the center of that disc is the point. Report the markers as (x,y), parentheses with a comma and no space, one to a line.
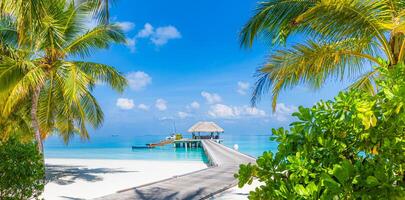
(138,80)
(283,112)
(254,112)
(126,26)
(183,115)
(194,105)
(159,36)
(242,87)
(131,44)
(224,111)
(143,107)
(161,104)
(163,34)
(146,31)
(211,98)
(125,104)
(221,111)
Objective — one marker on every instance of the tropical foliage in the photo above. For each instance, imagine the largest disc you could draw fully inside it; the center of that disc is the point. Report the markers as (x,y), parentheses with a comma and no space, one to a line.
(344,37)
(21,170)
(349,148)
(42,45)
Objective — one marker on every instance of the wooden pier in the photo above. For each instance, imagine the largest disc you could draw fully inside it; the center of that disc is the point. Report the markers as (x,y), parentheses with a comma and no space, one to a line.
(219,176)
(190,143)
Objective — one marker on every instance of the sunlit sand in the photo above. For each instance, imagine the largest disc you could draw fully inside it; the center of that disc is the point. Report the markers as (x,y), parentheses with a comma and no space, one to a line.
(88,178)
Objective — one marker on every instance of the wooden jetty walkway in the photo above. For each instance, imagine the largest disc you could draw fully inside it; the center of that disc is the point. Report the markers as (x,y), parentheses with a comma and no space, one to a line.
(195,185)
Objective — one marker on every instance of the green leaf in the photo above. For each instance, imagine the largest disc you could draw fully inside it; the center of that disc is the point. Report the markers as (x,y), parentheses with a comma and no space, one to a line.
(372,181)
(300,190)
(312,188)
(330,183)
(341,173)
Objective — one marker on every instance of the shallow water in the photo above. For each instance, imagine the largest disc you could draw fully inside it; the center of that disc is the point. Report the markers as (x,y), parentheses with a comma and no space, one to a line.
(118,147)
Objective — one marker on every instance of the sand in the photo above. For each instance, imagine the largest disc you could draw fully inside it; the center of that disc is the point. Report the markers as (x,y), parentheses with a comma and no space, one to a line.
(91,178)
(237,193)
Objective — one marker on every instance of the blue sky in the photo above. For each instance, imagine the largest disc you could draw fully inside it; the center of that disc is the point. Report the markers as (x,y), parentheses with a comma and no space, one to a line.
(184,63)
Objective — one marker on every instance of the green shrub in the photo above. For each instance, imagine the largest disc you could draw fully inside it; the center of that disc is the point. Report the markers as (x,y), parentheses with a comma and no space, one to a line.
(179,136)
(349,148)
(22,170)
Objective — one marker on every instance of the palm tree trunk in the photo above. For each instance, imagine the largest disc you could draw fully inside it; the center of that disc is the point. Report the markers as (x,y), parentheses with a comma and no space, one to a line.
(34,118)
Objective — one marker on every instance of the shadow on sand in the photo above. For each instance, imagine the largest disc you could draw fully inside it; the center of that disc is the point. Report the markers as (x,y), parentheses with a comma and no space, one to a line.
(68,174)
(157,193)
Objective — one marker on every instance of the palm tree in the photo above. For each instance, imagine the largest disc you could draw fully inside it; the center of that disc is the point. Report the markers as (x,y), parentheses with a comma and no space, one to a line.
(26,16)
(343,37)
(101,9)
(28,13)
(48,71)
(17,124)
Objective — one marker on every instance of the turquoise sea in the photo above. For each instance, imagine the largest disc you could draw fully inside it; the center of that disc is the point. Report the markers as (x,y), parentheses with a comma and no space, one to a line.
(119,147)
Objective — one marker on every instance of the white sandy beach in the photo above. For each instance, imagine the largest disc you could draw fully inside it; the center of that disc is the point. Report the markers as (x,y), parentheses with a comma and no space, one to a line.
(88,178)
(91,178)
(237,193)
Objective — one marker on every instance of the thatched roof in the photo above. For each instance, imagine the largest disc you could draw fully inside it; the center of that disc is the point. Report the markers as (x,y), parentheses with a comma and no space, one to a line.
(208,127)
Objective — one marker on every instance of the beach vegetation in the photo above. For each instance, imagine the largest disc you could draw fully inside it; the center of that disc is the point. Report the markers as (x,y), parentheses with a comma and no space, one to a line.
(343,38)
(179,136)
(352,147)
(22,170)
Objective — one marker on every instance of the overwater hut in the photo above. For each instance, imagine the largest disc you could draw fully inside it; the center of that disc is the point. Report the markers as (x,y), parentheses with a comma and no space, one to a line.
(210,130)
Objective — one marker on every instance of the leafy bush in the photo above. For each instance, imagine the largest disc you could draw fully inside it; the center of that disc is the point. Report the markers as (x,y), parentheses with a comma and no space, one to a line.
(179,136)
(349,148)
(21,170)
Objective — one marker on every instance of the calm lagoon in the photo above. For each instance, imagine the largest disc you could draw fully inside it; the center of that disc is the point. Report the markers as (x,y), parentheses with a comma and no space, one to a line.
(119,147)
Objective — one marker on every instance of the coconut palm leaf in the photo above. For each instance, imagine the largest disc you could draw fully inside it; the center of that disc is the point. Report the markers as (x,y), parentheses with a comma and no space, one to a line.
(17,124)
(27,14)
(366,82)
(344,36)
(101,10)
(312,64)
(8,32)
(274,20)
(103,74)
(98,38)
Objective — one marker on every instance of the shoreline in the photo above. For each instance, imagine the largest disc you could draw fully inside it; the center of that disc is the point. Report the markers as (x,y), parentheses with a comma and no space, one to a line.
(88,178)
(91,178)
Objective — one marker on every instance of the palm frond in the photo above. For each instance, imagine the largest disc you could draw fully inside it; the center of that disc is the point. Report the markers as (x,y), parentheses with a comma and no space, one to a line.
(17,124)
(98,38)
(76,19)
(334,20)
(78,103)
(103,73)
(312,64)
(8,32)
(396,6)
(101,10)
(51,35)
(49,103)
(366,82)
(27,14)
(275,19)
(21,89)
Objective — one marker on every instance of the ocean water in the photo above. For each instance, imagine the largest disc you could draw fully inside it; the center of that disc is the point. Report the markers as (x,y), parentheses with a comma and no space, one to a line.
(253,145)
(119,147)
